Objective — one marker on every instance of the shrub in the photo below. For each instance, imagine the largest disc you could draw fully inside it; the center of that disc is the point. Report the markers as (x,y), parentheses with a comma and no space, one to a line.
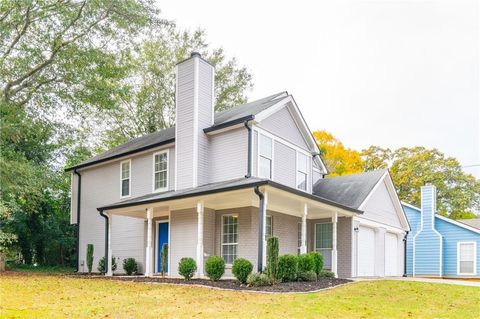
(241,269)
(258,280)
(130,266)
(89,257)
(272,258)
(326,274)
(307,276)
(305,263)
(287,268)
(215,267)
(102,267)
(318,261)
(164,259)
(187,267)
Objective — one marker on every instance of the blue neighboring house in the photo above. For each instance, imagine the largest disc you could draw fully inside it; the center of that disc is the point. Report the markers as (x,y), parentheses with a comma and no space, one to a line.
(439,246)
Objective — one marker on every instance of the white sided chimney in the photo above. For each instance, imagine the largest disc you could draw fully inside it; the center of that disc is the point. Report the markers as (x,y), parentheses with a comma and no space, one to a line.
(194,99)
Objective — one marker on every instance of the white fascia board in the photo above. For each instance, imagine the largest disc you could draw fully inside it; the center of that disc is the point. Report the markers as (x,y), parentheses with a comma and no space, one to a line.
(375,224)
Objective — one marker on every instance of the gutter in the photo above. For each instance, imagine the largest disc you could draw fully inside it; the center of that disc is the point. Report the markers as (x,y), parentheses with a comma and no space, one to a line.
(261,212)
(107,262)
(405,254)
(249,160)
(227,124)
(79,193)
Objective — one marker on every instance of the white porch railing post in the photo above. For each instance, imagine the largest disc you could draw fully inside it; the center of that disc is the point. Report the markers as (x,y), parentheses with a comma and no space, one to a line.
(334,243)
(200,250)
(303,246)
(108,262)
(149,250)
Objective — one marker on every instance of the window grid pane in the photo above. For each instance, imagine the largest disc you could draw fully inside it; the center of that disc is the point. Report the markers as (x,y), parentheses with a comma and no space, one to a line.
(268,227)
(301,181)
(229,238)
(265,144)
(160,173)
(265,167)
(323,234)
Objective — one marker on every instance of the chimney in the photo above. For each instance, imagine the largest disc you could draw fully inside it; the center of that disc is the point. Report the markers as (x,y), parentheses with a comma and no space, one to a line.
(429,205)
(194,111)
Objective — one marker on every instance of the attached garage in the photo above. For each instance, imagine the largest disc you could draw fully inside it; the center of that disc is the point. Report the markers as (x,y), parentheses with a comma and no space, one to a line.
(391,255)
(366,252)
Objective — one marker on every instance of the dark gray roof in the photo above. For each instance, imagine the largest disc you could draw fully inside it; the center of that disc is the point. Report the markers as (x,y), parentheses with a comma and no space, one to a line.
(348,190)
(168,135)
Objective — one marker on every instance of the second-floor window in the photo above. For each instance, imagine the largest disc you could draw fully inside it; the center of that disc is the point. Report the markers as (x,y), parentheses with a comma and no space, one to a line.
(265,156)
(302,165)
(125,178)
(160,171)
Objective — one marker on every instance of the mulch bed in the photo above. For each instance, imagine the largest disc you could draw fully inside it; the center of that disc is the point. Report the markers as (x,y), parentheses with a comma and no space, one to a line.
(297,286)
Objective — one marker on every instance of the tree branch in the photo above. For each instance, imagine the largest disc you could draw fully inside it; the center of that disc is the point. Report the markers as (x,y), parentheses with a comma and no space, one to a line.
(20,34)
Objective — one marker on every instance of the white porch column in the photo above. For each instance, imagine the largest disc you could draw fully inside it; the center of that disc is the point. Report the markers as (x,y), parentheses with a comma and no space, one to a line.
(264,231)
(149,249)
(334,243)
(200,251)
(303,246)
(108,262)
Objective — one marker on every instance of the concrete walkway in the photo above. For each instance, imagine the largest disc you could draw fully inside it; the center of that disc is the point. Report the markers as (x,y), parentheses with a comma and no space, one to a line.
(429,280)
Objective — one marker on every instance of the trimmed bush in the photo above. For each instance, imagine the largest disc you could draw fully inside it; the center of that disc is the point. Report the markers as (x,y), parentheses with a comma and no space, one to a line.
(241,269)
(164,259)
(307,276)
(102,267)
(305,263)
(318,261)
(130,266)
(272,258)
(187,267)
(258,280)
(89,257)
(215,267)
(287,268)
(326,274)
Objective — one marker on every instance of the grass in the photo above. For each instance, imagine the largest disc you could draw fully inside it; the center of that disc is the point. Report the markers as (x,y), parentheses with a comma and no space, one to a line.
(48,296)
(40,269)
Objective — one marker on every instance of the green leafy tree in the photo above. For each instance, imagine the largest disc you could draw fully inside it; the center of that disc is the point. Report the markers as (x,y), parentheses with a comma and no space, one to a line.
(375,157)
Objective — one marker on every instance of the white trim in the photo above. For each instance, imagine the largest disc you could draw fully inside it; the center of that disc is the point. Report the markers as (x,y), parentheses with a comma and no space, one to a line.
(371,223)
(474,258)
(221,235)
(176,132)
(157,233)
(129,161)
(272,156)
(195,122)
(163,189)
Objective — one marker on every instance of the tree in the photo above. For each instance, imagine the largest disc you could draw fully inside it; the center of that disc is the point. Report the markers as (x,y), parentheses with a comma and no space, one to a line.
(375,157)
(338,159)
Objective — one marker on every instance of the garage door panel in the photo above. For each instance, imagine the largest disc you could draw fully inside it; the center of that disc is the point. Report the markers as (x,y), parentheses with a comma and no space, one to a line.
(366,252)
(391,254)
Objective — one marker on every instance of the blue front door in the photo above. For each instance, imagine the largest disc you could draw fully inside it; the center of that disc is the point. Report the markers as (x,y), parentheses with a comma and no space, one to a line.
(162,239)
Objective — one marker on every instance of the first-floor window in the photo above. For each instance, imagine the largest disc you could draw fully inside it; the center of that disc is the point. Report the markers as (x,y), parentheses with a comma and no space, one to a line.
(299,232)
(466,258)
(323,242)
(269,227)
(229,238)
(125,178)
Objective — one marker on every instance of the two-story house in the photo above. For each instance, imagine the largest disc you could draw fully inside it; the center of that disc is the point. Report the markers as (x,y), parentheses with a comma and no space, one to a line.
(220,183)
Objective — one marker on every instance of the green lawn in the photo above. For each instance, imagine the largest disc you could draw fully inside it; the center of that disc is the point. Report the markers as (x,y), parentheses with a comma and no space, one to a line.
(48,296)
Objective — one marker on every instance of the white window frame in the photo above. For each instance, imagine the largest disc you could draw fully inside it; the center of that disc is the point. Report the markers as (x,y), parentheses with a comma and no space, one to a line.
(271,225)
(129,161)
(297,170)
(299,238)
(163,189)
(315,240)
(222,244)
(474,258)
(259,156)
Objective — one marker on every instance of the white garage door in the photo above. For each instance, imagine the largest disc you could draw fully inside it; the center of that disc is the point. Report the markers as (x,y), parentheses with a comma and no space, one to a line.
(366,252)
(391,255)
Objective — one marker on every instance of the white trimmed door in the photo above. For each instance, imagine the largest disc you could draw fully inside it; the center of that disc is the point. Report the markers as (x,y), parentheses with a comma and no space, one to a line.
(391,254)
(366,252)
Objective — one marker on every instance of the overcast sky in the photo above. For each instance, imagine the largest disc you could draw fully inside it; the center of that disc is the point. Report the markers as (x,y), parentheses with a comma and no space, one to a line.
(387,73)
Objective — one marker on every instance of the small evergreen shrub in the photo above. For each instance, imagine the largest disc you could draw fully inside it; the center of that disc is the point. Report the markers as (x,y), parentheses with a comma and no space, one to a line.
(164,259)
(215,267)
(258,280)
(287,268)
(307,276)
(241,269)
(318,261)
(102,267)
(326,274)
(272,258)
(305,263)
(187,267)
(89,257)
(130,266)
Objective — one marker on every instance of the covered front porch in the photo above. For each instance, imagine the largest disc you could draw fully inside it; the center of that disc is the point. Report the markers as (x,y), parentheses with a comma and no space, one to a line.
(234,221)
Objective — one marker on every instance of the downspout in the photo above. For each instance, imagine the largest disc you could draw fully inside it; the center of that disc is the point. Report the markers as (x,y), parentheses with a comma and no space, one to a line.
(249,160)
(79,192)
(106,239)
(405,254)
(261,212)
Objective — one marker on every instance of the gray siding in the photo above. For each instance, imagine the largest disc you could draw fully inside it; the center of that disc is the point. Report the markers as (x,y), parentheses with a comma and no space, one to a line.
(379,208)
(228,155)
(282,124)
(284,164)
(183,237)
(209,232)
(285,227)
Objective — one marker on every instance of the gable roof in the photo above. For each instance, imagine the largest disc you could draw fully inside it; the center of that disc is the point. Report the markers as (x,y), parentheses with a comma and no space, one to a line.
(474,222)
(348,190)
(222,119)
